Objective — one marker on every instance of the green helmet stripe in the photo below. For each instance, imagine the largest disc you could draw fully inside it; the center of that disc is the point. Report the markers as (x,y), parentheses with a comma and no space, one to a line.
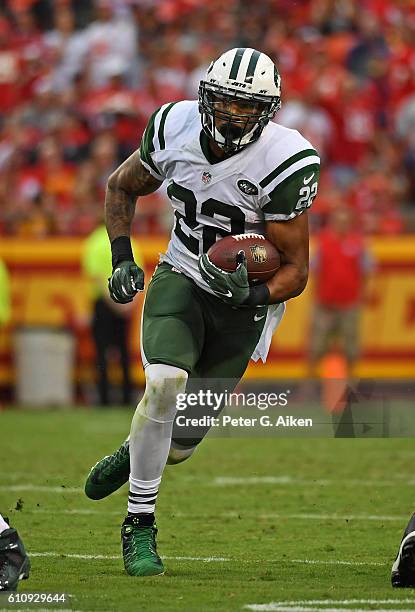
(161,126)
(236,62)
(286,164)
(252,65)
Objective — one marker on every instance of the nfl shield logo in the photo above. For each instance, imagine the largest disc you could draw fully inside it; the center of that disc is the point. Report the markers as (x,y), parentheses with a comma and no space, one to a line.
(259,253)
(206,178)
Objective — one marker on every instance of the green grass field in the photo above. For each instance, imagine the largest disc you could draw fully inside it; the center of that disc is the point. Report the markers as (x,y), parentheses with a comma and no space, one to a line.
(243,522)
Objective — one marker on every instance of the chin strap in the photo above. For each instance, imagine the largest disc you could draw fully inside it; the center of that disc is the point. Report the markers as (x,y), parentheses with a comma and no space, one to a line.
(231,146)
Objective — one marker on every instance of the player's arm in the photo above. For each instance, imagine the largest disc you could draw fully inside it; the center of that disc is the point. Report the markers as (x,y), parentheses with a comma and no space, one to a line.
(129,181)
(286,222)
(291,239)
(125,185)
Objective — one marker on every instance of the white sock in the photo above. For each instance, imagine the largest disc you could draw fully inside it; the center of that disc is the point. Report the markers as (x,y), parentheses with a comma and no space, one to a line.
(3,525)
(150,435)
(142,495)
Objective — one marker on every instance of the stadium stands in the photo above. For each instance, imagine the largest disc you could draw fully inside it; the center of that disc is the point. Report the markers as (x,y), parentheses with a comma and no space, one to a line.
(78,81)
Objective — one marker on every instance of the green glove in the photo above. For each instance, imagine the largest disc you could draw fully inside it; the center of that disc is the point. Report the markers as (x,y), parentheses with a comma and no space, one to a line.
(231,287)
(127,279)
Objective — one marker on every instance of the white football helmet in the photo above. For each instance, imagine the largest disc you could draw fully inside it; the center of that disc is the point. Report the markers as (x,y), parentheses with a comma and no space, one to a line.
(240,94)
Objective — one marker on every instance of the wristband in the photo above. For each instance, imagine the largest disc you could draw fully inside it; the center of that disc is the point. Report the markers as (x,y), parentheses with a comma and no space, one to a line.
(121,250)
(258,296)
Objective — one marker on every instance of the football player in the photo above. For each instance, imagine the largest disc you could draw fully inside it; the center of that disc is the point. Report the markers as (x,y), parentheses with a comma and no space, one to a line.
(229,170)
(14,562)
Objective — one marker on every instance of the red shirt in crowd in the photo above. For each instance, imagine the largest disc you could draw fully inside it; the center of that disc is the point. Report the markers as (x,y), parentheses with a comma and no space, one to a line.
(354,132)
(341,263)
(11,63)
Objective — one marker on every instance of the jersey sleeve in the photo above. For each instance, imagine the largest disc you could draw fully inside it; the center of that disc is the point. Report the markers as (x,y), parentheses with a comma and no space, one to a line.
(291,187)
(154,140)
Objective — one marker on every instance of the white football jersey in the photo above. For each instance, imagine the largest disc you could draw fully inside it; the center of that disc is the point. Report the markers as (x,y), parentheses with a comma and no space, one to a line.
(272,179)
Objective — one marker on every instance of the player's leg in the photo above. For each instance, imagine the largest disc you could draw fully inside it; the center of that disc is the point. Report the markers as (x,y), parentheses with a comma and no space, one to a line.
(228,347)
(172,339)
(179,453)
(149,447)
(170,298)
(231,338)
(112,471)
(14,562)
(403,569)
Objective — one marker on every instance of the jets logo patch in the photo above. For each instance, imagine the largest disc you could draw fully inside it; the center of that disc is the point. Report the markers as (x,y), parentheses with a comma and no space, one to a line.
(259,253)
(247,187)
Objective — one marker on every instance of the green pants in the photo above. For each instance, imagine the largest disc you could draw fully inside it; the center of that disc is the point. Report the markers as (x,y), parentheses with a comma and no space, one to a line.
(186,327)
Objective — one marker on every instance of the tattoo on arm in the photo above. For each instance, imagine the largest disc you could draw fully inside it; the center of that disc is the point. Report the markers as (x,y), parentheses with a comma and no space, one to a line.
(129,181)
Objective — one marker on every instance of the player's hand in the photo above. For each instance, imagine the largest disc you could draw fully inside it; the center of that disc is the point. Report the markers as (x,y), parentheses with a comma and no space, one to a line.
(231,287)
(127,279)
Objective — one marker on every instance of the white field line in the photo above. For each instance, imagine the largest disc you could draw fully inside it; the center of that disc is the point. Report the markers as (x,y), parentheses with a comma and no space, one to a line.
(75,511)
(318,604)
(234,514)
(343,602)
(337,562)
(337,517)
(275,607)
(281,608)
(11,476)
(209,559)
(40,488)
(115,557)
(225,481)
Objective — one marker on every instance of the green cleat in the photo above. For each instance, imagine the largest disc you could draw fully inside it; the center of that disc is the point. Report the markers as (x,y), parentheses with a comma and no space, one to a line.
(109,474)
(139,548)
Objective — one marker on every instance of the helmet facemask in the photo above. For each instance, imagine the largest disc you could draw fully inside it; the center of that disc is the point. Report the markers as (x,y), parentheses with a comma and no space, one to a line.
(234,119)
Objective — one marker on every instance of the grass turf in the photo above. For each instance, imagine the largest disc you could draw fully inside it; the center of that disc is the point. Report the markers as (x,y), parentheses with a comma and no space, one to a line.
(263,506)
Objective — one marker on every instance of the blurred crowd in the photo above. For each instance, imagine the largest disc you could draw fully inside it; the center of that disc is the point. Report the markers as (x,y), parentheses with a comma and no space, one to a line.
(80,78)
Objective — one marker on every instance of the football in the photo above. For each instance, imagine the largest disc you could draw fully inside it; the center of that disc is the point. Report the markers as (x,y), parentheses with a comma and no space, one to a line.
(262,258)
